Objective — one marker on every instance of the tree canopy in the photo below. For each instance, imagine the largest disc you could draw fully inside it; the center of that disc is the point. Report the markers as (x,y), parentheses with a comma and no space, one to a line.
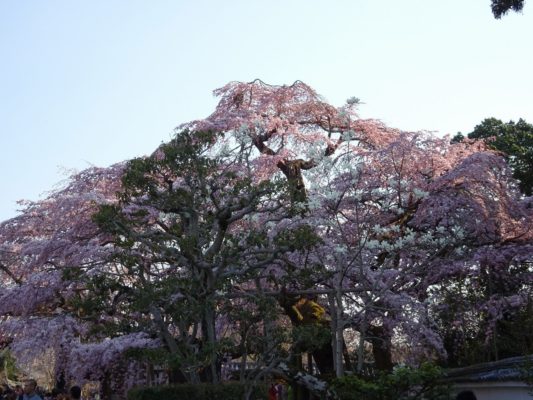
(279,225)
(502,7)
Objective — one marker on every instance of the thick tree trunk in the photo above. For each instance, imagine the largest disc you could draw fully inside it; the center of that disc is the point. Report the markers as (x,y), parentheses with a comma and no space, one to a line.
(381,348)
(339,335)
(212,374)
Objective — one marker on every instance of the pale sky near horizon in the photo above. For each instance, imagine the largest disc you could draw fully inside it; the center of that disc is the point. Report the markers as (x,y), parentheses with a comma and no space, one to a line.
(97,82)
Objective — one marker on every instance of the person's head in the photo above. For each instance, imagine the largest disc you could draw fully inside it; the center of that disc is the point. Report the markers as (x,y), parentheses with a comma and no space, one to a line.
(466,395)
(10,396)
(18,389)
(29,386)
(75,392)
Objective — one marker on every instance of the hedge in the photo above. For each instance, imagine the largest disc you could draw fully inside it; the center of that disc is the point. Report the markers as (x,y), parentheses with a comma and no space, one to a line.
(404,383)
(202,391)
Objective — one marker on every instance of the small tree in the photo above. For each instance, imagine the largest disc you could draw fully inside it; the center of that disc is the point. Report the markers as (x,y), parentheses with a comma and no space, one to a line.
(181,233)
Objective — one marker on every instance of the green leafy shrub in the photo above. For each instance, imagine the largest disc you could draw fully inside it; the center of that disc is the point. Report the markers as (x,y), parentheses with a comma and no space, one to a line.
(8,366)
(403,383)
(202,391)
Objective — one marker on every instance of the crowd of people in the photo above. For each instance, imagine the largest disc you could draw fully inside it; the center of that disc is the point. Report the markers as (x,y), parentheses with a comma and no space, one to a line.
(30,391)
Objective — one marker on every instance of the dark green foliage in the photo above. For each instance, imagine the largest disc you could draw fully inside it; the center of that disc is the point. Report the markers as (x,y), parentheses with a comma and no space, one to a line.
(526,373)
(458,138)
(109,219)
(402,384)
(501,7)
(175,249)
(249,316)
(311,337)
(515,140)
(184,156)
(226,391)
(512,336)
(514,333)
(301,238)
(465,332)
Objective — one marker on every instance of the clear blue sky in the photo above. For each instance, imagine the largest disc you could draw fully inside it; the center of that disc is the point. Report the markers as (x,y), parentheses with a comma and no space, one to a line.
(100,81)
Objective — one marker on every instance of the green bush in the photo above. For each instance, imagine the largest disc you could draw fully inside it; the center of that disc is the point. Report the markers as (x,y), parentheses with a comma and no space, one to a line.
(8,365)
(403,383)
(202,391)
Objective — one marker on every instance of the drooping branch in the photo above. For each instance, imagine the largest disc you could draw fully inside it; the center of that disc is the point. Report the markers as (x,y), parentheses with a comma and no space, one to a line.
(10,274)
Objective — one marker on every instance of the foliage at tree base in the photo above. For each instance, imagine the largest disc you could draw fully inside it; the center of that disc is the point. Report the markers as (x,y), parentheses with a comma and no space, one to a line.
(404,383)
(202,391)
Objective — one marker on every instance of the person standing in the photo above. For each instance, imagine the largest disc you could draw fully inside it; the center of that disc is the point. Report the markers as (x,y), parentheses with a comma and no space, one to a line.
(30,387)
(272,392)
(19,392)
(75,393)
(466,395)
